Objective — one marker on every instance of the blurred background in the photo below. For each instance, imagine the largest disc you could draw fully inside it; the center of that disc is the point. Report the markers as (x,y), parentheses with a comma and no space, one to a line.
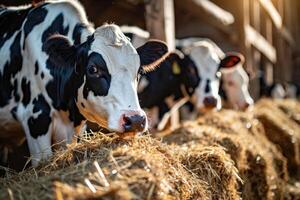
(267,32)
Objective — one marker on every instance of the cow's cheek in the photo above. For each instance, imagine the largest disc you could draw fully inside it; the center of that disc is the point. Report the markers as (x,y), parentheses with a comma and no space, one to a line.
(92,109)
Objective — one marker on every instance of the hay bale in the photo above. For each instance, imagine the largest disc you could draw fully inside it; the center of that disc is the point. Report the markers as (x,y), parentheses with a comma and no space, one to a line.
(212,165)
(261,166)
(281,130)
(142,168)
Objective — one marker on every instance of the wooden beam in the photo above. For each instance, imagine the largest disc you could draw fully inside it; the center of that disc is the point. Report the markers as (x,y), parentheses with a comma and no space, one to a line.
(260,43)
(277,20)
(219,13)
(285,33)
(272,12)
(160,21)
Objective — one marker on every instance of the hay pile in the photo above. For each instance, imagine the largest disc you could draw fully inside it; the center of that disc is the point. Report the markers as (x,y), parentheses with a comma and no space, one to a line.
(282,129)
(224,155)
(261,166)
(142,168)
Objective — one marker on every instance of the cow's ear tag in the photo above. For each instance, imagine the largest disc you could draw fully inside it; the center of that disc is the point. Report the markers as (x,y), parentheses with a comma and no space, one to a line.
(176,68)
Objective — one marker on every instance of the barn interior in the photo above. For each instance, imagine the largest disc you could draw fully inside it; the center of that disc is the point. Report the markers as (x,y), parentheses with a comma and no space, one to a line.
(226,155)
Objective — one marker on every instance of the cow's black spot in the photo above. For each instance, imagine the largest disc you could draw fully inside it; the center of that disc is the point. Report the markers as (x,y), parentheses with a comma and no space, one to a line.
(76,36)
(25,86)
(56,27)
(42,75)
(36,68)
(35,17)
(129,35)
(39,126)
(222,92)
(10,70)
(207,86)
(99,82)
(74,114)
(15,90)
(14,112)
(10,22)
(190,75)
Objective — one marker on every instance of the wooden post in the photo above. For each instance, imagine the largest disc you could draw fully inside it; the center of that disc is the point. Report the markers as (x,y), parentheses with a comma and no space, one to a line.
(160,24)
(160,21)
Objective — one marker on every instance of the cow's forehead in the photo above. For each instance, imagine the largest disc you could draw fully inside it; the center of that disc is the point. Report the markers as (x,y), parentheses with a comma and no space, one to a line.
(238,74)
(206,60)
(117,57)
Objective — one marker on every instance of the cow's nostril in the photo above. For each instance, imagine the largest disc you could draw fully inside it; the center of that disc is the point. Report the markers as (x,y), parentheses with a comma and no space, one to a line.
(127,121)
(134,123)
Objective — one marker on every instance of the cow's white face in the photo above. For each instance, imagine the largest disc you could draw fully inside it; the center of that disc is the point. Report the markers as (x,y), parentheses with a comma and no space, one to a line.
(207,63)
(235,81)
(107,68)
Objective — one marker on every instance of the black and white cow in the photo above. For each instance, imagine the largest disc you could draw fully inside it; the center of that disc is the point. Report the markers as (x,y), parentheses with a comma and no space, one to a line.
(212,59)
(172,80)
(56,71)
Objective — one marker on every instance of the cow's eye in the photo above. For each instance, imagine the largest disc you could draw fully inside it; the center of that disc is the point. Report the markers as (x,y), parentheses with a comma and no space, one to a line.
(92,70)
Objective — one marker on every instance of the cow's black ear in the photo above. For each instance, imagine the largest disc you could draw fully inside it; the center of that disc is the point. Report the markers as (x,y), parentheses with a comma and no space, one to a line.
(59,49)
(231,60)
(61,62)
(152,53)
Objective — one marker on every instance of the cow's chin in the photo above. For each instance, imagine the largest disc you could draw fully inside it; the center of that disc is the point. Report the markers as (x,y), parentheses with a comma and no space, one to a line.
(204,110)
(106,123)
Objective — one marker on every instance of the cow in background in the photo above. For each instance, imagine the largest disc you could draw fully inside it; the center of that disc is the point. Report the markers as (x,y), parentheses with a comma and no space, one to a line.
(234,79)
(278,90)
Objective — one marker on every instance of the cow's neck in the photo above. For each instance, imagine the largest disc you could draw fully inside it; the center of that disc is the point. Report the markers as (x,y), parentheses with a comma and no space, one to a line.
(74,115)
